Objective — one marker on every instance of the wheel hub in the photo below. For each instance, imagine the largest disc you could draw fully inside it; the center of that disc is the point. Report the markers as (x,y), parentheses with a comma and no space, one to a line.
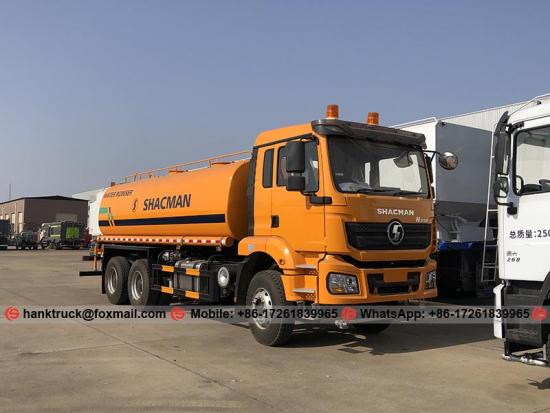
(136,289)
(262,302)
(112,281)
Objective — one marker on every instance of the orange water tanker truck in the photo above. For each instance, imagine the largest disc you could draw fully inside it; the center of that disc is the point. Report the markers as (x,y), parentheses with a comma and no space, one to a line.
(329,212)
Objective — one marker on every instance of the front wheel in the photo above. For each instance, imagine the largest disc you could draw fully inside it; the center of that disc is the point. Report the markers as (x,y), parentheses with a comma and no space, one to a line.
(265,292)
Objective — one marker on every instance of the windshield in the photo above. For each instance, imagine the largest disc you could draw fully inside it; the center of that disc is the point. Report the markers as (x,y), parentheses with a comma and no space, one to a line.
(533,161)
(363,166)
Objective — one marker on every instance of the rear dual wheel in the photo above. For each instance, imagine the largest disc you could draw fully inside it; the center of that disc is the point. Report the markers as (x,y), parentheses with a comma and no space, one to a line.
(116,280)
(139,286)
(127,283)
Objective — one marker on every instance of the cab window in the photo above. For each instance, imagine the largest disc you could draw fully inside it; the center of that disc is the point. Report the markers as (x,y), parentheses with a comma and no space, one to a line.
(267,172)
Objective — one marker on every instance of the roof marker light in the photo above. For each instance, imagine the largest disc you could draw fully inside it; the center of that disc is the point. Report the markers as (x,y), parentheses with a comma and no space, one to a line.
(332,112)
(373,118)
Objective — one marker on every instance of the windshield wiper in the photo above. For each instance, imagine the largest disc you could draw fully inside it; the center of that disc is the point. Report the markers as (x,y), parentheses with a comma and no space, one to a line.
(375,190)
(403,192)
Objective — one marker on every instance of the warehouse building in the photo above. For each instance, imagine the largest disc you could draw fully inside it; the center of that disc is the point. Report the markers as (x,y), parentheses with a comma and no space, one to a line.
(31,212)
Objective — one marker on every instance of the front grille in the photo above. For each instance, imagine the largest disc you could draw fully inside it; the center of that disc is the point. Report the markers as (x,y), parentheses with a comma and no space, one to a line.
(374,236)
(384,264)
(377,286)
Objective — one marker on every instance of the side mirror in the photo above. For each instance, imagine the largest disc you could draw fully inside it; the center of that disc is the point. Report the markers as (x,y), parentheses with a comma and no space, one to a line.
(295,183)
(500,187)
(296,157)
(448,161)
(404,160)
(500,190)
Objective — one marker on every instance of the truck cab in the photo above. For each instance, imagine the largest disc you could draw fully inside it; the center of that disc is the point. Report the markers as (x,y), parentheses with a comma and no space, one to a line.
(522,191)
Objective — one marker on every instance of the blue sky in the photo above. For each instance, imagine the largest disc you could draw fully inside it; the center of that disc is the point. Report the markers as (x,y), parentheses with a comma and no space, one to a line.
(93,90)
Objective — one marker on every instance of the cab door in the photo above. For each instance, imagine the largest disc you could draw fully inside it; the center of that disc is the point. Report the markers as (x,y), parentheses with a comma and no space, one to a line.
(263,188)
(294,217)
(524,240)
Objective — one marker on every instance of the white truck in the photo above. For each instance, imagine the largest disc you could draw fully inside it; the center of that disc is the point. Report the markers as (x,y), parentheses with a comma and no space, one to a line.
(522,191)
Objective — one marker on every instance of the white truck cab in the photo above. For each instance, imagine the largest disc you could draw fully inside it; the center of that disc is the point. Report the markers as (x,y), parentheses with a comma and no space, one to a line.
(522,192)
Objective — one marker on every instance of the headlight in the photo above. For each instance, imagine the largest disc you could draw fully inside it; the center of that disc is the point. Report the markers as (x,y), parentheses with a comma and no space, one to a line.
(342,284)
(223,277)
(431,277)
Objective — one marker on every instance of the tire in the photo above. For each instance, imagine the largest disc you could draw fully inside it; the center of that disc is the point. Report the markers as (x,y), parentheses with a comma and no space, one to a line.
(266,289)
(371,328)
(116,280)
(35,247)
(139,285)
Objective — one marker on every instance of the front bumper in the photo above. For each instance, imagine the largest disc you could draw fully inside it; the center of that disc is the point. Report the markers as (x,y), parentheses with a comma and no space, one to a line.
(376,285)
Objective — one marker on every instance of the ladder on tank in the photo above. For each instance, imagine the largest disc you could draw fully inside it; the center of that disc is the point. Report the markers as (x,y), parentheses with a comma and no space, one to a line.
(489,260)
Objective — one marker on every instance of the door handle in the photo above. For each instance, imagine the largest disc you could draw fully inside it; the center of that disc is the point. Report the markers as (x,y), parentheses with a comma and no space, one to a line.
(274,221)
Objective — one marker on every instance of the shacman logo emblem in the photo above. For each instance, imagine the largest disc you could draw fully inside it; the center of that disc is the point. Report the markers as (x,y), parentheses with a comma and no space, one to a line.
(396,232)
(134,205)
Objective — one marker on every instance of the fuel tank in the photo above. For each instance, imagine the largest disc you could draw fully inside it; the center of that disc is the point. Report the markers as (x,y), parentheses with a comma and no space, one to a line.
(209,202)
